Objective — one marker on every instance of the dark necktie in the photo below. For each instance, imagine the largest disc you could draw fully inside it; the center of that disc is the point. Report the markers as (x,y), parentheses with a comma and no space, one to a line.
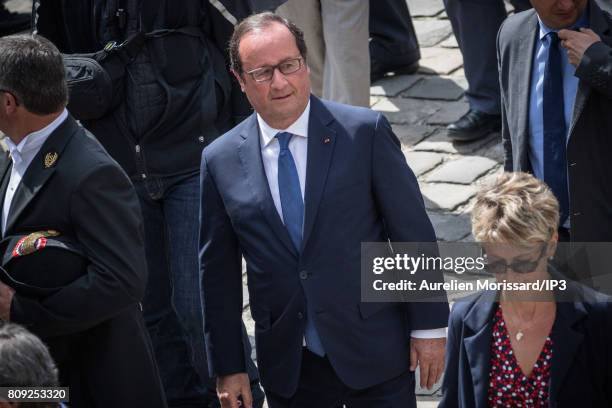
(555,131)
(292,205)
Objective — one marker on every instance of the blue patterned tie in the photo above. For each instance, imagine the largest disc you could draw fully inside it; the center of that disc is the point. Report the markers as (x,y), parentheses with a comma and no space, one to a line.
(292,205)
(290,191)
(555,131)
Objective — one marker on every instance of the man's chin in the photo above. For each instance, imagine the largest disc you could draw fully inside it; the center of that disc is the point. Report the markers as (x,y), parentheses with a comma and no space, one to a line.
(563,22)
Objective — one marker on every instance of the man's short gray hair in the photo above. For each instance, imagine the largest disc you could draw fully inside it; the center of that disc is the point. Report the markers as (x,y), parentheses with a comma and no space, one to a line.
(32,69)
(24,359)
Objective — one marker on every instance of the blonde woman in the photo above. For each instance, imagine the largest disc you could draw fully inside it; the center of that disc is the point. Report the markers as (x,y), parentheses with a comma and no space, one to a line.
(526,349)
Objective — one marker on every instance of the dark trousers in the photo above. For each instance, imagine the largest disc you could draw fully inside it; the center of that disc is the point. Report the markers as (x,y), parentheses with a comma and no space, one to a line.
(320,387)
(172,303)
(475,24)
(393,41)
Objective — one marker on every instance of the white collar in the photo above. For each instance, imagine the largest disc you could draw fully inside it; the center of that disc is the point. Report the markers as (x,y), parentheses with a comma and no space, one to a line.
(32,142)
(298,128)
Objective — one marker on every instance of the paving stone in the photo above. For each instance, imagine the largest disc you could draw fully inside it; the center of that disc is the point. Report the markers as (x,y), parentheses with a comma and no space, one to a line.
(459,73)
(374,100)
(425,8)
(410,135)
(405,111)
(428,404)
(487,180)
(439,142)
(432,32)
(450,42)
(249,323)
(393,85)
(451,228)
(443,196)
(464,170)
(493,149)
(19,6)
(439,60)
(435,87)
(421,162)
(449,112)
(245,296)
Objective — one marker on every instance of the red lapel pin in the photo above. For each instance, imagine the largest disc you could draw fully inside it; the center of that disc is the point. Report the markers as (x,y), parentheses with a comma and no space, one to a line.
(326,140)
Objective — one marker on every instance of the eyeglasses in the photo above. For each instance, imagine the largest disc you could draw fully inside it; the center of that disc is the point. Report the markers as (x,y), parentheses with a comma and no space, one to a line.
(526,266)
(286,67)
(11,93)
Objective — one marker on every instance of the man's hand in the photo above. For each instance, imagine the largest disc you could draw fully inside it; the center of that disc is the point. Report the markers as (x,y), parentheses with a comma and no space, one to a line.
(577,42)
(231,387)
(6,297)
(429,355)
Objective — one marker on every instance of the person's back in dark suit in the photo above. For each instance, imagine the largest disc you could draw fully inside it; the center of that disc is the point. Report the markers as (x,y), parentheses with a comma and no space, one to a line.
(61,181)
(297,204)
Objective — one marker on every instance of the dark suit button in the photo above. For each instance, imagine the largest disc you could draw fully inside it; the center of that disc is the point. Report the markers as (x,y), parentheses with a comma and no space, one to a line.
(300,315)
(304,275)
(577,213)
(572,164)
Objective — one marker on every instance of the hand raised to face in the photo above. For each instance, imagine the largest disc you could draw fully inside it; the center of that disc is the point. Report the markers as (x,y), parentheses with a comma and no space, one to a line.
(577,42)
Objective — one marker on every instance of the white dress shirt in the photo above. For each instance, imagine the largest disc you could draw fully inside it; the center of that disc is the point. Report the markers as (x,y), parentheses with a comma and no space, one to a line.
(22,155)
(298,146)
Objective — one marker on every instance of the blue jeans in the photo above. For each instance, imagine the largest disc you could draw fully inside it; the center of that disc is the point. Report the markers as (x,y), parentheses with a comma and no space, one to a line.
(172,306)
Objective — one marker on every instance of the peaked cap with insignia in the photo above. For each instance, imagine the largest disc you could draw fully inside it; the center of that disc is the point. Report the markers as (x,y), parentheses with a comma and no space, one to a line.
(40,263)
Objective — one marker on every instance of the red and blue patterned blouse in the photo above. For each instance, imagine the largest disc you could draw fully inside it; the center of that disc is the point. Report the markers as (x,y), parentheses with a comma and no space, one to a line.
(508,386)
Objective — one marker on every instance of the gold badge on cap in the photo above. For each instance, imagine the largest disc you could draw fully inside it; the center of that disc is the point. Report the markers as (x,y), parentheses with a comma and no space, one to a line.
(50,159)
(32,243)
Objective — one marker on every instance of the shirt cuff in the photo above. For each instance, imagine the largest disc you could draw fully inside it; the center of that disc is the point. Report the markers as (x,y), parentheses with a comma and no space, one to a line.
(428,334)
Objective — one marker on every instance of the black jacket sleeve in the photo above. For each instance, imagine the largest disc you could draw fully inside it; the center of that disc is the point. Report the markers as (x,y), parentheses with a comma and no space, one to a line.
(595,68)
(105,215)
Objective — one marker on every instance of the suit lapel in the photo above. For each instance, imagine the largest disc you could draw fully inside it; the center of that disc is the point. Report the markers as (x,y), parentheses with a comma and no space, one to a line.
(525,47)
(565,341)
(321,142)
(5,165)
(598,24)
(249,151)
(5,171)
(38,173)
(478,345)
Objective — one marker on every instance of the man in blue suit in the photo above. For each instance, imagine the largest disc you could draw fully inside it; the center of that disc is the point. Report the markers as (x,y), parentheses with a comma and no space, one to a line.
(295,189)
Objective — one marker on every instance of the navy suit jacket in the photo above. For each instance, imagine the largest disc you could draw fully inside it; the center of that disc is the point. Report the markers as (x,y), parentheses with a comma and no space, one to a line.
(358,189)
(581,373)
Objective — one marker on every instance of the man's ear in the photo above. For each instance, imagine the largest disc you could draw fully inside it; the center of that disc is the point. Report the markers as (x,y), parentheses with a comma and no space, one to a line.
(239,79)
(9,104)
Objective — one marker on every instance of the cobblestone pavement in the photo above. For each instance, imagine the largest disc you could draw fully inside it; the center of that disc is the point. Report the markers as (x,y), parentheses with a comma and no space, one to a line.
(419,107)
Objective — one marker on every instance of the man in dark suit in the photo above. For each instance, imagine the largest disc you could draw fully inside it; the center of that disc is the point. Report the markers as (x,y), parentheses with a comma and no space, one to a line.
(295,189)
(58,179)
(556,83)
